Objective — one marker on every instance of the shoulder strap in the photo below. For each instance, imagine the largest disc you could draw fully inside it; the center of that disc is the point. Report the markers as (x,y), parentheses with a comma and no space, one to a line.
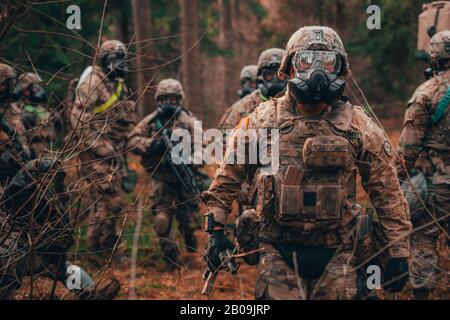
(113,99)
(441,107)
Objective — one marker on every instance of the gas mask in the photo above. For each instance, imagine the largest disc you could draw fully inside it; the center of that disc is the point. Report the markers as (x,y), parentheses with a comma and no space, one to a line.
(34,93)
(7,88)
(247,87)
(316,77)
(114,65)
(269,83)
(168,106)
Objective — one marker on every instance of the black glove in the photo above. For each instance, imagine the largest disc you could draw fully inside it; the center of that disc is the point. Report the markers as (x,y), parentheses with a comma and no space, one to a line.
(157,148)
(396,274)
(217,243)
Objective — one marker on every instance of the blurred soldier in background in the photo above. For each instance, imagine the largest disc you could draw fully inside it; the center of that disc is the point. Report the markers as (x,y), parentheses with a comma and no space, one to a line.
(269,85)
(248,80)
(307,207)
(168,199)
(37,120)
(248,85)
(102,117)
(424,145)
(35,226)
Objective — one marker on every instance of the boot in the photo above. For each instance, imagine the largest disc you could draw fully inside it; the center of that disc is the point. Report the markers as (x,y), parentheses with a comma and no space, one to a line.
(191,242)
(108,291)
(421,294)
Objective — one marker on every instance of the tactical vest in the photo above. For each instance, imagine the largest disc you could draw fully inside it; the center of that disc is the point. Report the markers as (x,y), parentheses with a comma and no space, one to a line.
(314,191)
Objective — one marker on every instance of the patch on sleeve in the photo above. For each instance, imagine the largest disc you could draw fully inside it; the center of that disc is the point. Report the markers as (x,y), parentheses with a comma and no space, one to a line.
(244,123)
(387,148)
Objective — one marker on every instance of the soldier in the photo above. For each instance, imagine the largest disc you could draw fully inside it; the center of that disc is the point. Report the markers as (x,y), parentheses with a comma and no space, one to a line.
(269,85)
(424,145)
(167,199)
(248,80)
(38,122)
(307,206)
(102,117)
(33,188)
(248,85)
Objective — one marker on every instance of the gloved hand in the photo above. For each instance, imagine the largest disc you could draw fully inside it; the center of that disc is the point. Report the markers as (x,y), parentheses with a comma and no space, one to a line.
(156,148)
(396,274)
(217,242)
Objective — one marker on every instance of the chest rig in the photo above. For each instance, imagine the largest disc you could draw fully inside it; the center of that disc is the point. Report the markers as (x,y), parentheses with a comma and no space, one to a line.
(316,183)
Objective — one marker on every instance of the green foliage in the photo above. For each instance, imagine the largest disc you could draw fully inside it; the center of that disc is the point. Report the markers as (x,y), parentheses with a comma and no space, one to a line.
(391,71)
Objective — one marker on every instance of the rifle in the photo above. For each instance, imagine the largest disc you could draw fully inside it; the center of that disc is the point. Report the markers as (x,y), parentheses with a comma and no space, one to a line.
(183,173)
(210,275)
(186,179)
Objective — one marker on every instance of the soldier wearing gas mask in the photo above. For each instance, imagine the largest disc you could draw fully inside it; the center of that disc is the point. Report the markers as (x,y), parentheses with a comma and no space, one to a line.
(33,189)
(167,200)
(269,85)
(37,120)
(424,146)
(307,207)
(248,80)
(102,116)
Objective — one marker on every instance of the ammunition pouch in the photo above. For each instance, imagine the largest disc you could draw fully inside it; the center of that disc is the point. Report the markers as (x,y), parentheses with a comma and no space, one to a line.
(247,232)
(416,193)
(313,198)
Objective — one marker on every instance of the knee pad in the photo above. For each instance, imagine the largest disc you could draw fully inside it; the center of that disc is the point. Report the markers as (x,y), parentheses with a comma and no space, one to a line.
(162,224)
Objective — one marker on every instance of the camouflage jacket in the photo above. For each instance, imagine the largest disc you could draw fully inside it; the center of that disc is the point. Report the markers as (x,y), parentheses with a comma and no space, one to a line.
(425,146)
(240,109)
(14,151)
(100,112)
(324,153)
(40,128)
(145,133)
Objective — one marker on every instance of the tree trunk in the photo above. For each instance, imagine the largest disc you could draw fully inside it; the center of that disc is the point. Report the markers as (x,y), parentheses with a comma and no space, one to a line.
(191,76)
(142,27)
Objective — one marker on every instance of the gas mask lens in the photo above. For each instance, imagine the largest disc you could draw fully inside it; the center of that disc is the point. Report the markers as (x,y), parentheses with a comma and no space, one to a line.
(173,100)
(305,60)
(268,74)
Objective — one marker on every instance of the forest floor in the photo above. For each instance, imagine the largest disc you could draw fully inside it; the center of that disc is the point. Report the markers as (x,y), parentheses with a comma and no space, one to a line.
(153,281)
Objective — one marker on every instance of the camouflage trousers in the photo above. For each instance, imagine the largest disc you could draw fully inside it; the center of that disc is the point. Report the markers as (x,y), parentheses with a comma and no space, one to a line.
(167,203)
(424,254)
(17,261)
(278,279)
(12,260)
(105,204)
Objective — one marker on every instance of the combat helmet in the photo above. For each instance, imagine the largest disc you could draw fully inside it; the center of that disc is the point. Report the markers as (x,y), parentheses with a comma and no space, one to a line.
(8,79)
(314,37)
(439,48)
(112,46)
(270,58)
(169,87)
(250,72)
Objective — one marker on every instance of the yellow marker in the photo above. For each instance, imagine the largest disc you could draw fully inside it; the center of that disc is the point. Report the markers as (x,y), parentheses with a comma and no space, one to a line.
(113,99)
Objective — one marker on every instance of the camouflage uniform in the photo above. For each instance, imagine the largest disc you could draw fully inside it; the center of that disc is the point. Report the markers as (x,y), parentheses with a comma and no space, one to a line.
(38,122)
(166,198)
(320,241)
(245,106)
(424,145)
(102,118)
